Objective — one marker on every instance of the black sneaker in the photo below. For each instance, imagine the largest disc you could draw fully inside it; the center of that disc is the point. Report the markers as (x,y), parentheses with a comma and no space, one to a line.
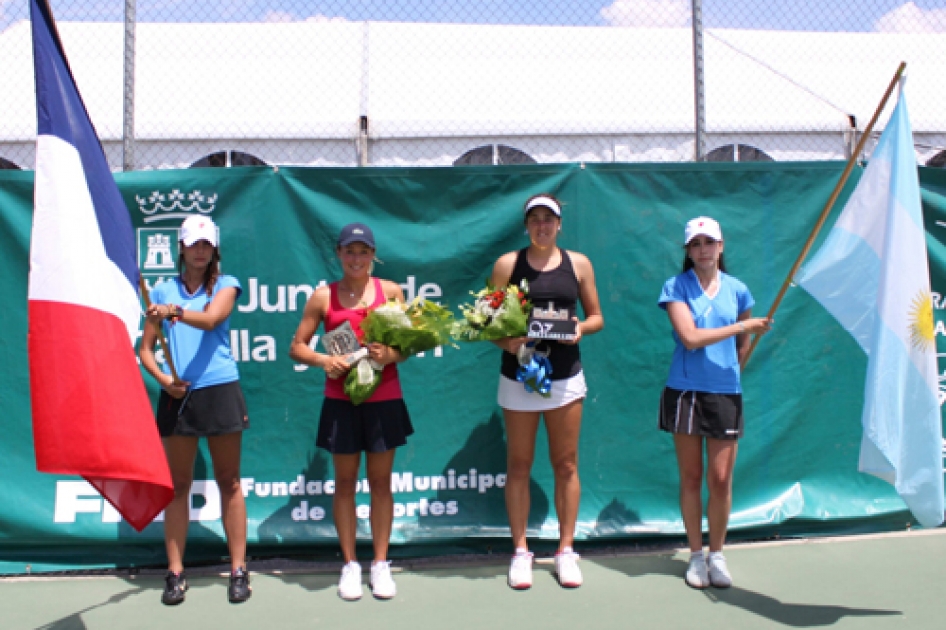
(239,590)
(175,585)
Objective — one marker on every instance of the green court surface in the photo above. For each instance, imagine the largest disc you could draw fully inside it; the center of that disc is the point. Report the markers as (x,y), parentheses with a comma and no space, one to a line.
(883,581)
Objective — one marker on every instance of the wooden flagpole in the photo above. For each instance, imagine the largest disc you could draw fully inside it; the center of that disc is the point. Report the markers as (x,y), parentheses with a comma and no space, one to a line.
(828,206)
(161,340)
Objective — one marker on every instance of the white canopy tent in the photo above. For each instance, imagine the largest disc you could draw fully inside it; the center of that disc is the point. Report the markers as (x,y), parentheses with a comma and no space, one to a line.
(301,93)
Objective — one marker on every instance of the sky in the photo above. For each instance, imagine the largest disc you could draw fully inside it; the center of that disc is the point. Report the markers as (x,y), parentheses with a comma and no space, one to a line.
(819,15)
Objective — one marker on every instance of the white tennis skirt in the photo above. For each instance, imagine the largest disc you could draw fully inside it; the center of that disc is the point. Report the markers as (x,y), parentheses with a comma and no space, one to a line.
(514,397)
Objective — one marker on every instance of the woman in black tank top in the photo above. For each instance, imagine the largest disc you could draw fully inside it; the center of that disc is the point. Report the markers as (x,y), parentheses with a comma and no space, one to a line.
(558,280)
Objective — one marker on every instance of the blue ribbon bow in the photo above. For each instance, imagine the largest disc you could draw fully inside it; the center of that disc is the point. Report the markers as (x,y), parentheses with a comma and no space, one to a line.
(535,375)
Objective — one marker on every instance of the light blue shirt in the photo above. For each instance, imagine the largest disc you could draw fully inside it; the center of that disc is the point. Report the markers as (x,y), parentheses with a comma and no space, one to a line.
(714,368)
(202,358)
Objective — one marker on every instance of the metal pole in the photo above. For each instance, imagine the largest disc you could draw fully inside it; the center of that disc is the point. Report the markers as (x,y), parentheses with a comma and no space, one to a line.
(128,109)
(363,131)
(699,96)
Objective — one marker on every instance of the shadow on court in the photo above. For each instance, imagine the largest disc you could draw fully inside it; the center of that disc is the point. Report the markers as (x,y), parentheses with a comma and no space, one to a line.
(797,615)
(791,614)
(74,621)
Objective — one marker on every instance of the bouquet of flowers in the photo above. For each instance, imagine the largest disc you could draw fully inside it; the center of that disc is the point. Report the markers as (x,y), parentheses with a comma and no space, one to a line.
(494,314)
(408,328)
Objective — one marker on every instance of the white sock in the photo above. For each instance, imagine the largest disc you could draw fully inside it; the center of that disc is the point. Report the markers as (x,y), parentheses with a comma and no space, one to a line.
(696,554)
(522,551)
(715,554)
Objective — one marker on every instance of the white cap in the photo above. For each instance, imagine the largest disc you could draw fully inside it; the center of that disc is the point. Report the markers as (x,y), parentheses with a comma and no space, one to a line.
(544,201)
(198,228)
(702,225)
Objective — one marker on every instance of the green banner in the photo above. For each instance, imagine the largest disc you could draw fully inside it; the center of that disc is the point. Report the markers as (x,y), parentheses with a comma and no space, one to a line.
(438,232)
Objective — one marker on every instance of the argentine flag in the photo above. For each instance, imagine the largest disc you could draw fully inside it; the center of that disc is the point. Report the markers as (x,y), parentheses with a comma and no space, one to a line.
(91,413)
(872,275)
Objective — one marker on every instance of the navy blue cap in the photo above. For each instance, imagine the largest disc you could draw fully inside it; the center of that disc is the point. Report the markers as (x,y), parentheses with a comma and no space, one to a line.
(356,233)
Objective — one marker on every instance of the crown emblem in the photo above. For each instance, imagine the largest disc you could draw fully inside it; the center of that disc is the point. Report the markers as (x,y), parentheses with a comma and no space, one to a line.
(160,206)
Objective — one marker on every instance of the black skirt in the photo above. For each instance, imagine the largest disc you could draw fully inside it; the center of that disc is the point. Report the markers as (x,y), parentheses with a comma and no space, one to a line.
(717,416)
(208,411)
(374,427)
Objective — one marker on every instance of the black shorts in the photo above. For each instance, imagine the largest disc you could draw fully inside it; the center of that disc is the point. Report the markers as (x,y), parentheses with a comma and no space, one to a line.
(717,416)
(374,427)
(214,410)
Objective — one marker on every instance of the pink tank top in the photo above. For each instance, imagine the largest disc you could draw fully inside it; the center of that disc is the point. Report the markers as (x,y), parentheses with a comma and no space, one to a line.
(390,387)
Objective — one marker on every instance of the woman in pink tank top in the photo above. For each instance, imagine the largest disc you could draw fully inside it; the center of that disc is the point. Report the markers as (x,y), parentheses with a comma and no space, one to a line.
(377,426)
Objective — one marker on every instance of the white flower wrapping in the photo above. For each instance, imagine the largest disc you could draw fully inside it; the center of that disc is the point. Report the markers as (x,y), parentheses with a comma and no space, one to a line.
(394,313)
(367,370)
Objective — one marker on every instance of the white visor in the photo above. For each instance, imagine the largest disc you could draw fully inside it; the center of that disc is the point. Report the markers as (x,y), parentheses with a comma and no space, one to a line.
(544,202)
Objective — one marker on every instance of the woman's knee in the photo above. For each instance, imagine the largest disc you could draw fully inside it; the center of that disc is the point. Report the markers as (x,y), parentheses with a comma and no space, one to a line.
(720,484)
(182,484)
(228,481)
(691,480)
(565,467)
(345,486)
(380,486)
(518,468)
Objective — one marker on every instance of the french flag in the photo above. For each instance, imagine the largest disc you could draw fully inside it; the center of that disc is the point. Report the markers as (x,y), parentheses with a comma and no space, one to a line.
(91,413)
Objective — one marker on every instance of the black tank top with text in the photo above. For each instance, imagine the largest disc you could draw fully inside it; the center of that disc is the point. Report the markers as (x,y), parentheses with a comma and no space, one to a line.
(558,287)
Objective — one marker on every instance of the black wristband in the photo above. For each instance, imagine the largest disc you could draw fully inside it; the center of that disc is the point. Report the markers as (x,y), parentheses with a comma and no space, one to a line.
(175,312)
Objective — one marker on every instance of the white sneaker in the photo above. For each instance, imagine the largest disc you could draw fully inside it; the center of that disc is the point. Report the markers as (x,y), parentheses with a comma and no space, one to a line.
(697,575)
(520,571)
(566,569)
(349,585)
(718,571)
(382,584)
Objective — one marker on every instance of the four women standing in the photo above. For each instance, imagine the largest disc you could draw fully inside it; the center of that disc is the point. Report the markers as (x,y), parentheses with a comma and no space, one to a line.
(709,310)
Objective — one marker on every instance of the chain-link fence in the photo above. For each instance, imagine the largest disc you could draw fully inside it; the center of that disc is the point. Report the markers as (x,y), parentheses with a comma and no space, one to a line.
(172,83)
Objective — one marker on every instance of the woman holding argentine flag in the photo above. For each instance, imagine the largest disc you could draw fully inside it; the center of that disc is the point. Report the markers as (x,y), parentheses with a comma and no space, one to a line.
(557,281)
(710,312)
(194,310)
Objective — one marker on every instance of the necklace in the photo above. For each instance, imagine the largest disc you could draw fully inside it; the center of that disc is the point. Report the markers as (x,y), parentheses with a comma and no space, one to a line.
(351,293)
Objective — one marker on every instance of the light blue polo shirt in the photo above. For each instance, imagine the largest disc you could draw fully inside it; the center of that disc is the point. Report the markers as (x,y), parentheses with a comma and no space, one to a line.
(201,357)
(715,368)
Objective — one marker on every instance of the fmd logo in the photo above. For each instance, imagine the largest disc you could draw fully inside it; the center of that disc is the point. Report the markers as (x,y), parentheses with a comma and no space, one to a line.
(80,497)
(158,247)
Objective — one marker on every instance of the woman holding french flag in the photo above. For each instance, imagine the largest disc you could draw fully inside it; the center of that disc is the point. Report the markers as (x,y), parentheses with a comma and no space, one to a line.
(193,311)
